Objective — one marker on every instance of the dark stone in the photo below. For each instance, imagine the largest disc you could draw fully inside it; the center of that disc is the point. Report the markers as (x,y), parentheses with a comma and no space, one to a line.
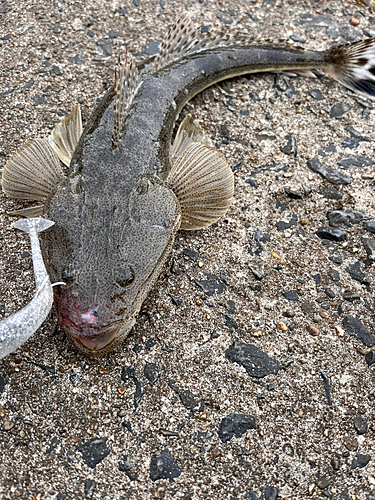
(317,278)
(355,161)
(369,246)
(322,483)
(331,194)
(369,226)
(360,424)
(345,218)
(235,424)
(252,495)
(291,295)
(29,84)
(3,383)
(256,270)
(205,29)
(192,254)
(291,146)
(354,270)
(151,372)
(316,94)
(125,464)
(261,236)
(191,401)
(252,183)
(360,461)
(122,12)
(76,60)
(351,297)
(62,496)
(127,425)
(244,112)
(89,487)
(231,306)
(4,7)
(56,70)
(331,175)
(56,30)
(25,255)
(152,48)
(282,225)
(330,293)
(330,233)
(256,362)
(105,46)
(127,374)
(113,33)
(336,259)
(230,322)
(90,33)
(327,389)
(325,151)
(339,110)
(164,466)
(211,286)
(176,301)
(369,358)
(38,99)
(355,328)
(334,275)
(344,495)
(94,451)
(297,39)
(270,493)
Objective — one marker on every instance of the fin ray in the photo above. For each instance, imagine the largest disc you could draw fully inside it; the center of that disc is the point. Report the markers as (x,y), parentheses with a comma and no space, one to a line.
(203,183)
(188,132)
(353,65)
(127,82)
(66,134)
(33,172)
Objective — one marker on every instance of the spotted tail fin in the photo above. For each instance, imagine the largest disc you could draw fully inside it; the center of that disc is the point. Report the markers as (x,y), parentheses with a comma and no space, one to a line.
(353,65)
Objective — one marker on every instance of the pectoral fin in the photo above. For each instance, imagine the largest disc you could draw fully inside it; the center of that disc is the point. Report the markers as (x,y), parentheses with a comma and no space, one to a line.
(66,134)
(188,132)
(33,172)
(203,183)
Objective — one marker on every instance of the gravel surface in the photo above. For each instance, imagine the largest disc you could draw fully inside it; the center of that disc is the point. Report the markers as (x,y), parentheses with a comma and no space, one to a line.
(250,371)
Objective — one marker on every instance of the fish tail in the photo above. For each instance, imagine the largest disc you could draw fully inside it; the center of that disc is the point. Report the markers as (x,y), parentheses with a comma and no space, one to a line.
(37,224)
(353,65)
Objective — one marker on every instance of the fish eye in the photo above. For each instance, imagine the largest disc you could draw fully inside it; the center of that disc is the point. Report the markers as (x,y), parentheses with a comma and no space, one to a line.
(125,276)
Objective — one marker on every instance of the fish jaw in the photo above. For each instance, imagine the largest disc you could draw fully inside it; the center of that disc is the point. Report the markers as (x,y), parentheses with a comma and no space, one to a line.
(92,330)
(95,343)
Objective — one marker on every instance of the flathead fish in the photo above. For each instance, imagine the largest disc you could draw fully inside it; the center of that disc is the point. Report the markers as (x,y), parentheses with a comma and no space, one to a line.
(119,190)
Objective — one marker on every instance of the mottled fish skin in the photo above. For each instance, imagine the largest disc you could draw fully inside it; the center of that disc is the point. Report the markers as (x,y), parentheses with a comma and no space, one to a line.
(16,329)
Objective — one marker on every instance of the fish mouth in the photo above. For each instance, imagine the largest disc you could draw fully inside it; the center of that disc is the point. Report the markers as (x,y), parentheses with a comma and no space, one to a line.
(94,342)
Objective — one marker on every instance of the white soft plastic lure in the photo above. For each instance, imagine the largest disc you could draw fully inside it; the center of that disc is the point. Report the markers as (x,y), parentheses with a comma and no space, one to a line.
(20,326)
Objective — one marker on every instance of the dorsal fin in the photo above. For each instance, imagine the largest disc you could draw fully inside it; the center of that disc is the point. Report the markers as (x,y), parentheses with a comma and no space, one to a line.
(126,85)
(180,39)
(185,40)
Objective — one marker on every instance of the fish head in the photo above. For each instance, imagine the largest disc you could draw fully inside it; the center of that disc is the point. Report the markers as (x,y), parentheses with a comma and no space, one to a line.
(109,258)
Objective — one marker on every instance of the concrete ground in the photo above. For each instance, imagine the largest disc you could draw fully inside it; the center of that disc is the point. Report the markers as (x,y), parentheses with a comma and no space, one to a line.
(248,374)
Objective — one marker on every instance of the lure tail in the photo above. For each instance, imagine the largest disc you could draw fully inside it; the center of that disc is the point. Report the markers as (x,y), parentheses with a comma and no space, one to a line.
(353,65)
(34,224)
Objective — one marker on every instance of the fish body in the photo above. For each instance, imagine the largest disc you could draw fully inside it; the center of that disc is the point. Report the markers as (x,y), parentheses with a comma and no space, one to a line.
(127,190)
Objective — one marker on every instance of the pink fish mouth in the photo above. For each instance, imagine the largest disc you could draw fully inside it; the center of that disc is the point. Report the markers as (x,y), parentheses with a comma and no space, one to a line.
(95,342)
